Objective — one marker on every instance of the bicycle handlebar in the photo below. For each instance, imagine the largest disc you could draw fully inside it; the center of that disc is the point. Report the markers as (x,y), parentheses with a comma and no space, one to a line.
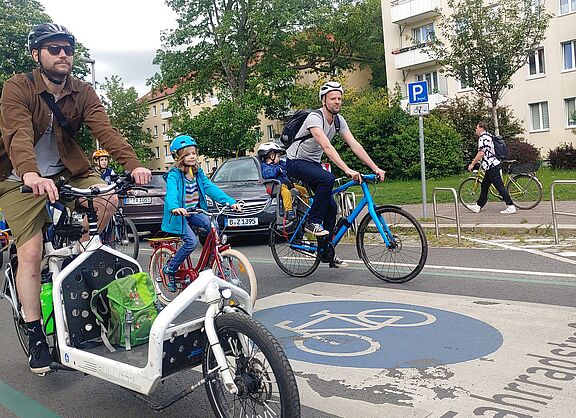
(121,184)
(211,214)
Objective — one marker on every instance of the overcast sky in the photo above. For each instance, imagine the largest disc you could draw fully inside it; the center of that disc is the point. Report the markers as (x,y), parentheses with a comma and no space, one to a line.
(122,35)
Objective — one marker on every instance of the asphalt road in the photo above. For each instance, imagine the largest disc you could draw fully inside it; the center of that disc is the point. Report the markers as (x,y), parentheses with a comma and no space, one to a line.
(497,311)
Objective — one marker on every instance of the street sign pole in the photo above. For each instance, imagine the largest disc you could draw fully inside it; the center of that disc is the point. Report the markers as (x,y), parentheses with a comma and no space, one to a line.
(418,99)
(422,165)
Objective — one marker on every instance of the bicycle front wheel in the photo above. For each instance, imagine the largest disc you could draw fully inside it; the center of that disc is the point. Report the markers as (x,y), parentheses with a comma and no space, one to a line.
(405,255)
(299,258)
(237,270)
(123,237)
(525,191)
(261,371)
(160,258)
(469,191)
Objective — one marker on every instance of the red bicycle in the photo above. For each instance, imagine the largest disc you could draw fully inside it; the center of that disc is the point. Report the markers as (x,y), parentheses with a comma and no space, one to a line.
(226,263)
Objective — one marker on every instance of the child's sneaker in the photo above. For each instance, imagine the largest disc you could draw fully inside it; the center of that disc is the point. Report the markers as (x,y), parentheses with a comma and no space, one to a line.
(170,278)
(290,216)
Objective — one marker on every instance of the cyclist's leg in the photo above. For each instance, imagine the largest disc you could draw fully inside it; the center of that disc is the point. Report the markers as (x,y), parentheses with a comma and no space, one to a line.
(286,198)
(189,244)
(496,178)
(303,192)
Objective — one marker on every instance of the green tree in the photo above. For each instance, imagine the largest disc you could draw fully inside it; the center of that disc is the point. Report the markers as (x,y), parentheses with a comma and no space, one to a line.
(484,43)
(251,53)
(127,114)
(17,18)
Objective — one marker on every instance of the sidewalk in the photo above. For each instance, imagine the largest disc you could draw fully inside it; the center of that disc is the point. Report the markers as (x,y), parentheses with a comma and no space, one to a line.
(490,218)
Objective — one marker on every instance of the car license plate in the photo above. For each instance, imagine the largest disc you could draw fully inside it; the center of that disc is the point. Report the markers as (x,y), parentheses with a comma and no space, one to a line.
(137,200)
(241,221)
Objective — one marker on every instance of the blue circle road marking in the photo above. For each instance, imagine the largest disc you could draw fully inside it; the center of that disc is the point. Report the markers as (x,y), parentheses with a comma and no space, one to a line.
(370,334)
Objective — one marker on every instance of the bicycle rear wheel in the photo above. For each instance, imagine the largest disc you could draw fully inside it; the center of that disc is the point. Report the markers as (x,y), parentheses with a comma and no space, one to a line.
(160,258)
(406,254)
(525,191)
(261,371)
(469,191)
(237,270)
(123,237)
(298,259)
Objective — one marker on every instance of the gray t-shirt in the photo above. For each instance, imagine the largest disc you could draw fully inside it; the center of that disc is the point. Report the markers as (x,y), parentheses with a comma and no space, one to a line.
(310,149)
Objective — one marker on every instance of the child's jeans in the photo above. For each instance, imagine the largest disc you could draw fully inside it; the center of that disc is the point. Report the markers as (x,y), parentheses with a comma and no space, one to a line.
(190,240)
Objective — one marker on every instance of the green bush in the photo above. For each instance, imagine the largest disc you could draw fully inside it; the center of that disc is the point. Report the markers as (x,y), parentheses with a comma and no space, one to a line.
(466,112)
(391,138)
(522,152)
(563,157)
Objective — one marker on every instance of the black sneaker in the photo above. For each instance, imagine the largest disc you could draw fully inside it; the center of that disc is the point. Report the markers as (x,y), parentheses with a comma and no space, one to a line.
(316,229)
(40,358)
(337,263)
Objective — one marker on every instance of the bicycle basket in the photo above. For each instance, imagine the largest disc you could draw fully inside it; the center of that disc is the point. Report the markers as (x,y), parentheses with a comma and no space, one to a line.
(525,168)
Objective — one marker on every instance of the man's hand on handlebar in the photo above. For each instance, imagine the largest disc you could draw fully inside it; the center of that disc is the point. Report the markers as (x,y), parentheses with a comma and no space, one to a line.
(380,173)
(41,185)
(354,175)
(141,176)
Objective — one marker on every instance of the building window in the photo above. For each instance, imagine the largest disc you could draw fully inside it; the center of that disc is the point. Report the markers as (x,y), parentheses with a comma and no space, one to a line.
(162,107)
(567,6)
(270,130)
(163,128)
(570,105)
(568,54)
(465,79)
(155,131)
(149,131)
(423,34)
(540,117)
(432,80)
(157,152)
(166,154)
(154,112)
(536,62)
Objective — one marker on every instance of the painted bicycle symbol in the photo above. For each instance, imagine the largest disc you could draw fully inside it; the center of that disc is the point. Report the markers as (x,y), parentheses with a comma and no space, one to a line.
(343,339)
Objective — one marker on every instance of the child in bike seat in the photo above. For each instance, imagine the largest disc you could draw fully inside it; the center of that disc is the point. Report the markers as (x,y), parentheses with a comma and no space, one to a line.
(274,168)
(187,187)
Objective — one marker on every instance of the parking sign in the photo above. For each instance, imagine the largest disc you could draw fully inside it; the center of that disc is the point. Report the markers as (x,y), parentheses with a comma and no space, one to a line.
(418,92)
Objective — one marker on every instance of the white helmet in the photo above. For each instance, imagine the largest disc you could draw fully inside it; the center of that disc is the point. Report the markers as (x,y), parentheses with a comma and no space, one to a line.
(330,86)
(267,148)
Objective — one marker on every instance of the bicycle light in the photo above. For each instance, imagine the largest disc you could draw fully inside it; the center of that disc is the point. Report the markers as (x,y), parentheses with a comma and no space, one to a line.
(223,239)
(226,293)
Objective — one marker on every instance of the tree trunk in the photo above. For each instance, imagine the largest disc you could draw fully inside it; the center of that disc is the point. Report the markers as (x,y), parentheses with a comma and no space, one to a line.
(495,119)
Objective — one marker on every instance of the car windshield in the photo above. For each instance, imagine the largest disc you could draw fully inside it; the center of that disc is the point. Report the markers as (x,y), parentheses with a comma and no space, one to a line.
(237,170)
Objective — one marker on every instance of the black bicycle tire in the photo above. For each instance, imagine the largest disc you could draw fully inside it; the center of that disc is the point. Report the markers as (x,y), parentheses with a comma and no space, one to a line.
(274,355)
(463,191)
(532,180)
(275,235)
(361,245)
(130,228)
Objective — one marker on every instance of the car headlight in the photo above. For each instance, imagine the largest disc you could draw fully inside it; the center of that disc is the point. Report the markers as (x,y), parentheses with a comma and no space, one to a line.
(274,201)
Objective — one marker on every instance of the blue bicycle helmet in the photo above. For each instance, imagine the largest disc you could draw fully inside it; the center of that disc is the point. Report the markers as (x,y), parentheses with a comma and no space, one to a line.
(182,141)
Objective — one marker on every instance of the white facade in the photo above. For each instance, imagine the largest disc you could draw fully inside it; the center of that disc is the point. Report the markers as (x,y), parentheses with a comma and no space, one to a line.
(544,92)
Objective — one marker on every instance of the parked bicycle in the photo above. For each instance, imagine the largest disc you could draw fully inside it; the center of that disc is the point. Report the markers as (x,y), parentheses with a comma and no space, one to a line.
(389,240)
(244,367)
(520,181)
(121,234)
(225,262)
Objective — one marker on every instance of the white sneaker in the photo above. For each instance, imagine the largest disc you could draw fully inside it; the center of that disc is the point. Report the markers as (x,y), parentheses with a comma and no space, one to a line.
(509,210)
(474,208)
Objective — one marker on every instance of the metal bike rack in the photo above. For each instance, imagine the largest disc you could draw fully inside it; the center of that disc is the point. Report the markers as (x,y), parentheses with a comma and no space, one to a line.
(554,211)
(436,215)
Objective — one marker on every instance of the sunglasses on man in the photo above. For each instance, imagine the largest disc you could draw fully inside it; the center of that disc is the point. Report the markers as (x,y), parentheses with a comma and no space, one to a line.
(55,49)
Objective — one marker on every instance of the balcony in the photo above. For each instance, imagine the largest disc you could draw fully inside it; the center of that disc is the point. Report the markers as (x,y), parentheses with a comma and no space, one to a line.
(412,56)
(404,11)
(166,138)
(166,114)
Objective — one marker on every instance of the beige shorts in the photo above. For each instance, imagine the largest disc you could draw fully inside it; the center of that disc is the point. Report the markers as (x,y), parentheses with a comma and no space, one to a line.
(25,213)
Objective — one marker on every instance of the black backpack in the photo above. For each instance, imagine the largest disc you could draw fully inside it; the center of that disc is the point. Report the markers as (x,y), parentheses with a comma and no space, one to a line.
(500,148)
(293,125)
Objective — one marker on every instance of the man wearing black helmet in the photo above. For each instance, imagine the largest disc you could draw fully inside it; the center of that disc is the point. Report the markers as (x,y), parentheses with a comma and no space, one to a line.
(37,149)
(304,157)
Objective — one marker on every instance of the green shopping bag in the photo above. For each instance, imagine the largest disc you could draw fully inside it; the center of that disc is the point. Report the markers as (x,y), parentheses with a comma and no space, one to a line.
(132,307)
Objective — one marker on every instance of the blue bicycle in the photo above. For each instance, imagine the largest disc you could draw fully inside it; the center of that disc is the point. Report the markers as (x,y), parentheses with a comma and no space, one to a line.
(389,240)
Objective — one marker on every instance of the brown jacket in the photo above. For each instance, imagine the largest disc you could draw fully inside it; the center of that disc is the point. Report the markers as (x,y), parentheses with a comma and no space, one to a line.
(24,117)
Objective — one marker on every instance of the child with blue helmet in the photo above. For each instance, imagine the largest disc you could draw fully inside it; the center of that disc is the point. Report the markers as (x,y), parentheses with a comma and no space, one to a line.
(186,187)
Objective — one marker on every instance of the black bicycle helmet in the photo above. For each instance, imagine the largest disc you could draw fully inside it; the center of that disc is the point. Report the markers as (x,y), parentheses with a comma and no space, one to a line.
(48,31)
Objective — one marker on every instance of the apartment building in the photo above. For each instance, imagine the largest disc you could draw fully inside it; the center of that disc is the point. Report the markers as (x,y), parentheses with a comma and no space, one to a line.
(544,92)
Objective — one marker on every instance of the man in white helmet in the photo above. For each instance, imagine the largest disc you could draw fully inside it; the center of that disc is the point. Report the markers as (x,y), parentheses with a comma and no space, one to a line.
(304,158)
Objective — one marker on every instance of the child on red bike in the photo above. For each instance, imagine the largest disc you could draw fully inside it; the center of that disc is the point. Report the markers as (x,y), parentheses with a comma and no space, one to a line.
(187,187)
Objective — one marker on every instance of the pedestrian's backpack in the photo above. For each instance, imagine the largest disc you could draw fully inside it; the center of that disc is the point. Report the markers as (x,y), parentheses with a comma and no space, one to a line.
(131,301)
(295,123)
(500,149)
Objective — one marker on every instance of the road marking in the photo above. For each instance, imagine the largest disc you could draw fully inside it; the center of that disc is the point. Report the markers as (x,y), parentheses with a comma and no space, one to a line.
(22,405)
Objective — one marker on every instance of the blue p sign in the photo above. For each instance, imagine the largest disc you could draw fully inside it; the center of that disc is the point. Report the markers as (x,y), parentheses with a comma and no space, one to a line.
(418,92)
